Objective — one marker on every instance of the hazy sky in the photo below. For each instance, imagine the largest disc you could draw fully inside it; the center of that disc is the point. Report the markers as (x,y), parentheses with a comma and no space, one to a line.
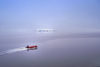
(63,15)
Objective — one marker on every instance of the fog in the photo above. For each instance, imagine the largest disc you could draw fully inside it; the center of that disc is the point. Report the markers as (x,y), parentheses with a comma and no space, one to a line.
(74,50)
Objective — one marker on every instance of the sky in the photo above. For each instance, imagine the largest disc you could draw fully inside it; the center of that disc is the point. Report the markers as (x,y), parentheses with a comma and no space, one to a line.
(63,15)
(75,41)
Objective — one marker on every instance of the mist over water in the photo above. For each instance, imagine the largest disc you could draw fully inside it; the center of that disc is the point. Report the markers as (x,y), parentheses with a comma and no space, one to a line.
(54,51)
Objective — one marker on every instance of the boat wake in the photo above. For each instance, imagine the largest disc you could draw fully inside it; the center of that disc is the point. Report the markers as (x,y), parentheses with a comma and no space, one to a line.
(12,51)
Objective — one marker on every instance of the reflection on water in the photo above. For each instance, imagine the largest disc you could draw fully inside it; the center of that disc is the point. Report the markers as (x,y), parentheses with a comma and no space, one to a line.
(71,52)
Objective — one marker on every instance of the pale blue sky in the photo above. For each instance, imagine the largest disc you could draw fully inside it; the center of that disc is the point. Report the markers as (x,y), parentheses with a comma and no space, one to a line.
(63,15)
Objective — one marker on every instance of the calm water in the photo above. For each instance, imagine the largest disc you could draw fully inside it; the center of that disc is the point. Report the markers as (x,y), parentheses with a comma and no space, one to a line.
(58,52)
